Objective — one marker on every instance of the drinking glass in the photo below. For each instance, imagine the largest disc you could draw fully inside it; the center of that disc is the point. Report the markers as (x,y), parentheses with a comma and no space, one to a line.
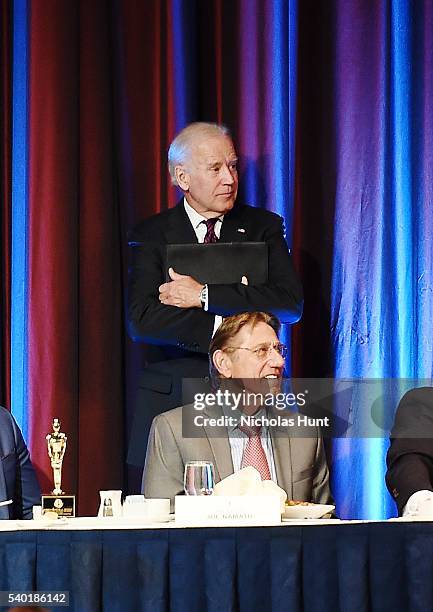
(198,478)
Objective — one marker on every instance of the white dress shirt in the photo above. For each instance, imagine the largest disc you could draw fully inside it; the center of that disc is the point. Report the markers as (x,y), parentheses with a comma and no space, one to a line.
(197,222)
(200,231)
(238,441)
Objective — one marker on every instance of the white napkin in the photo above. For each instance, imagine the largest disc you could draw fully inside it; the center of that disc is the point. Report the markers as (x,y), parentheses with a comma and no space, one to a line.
(248,482)
(420,505)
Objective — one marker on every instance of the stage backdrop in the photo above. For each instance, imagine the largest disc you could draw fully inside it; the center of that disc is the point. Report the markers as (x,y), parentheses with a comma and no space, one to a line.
(330,104)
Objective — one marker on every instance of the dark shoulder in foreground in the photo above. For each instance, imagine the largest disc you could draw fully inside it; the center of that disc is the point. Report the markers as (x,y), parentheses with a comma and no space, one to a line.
(5,416)
(414,415)
(7,432)
(415,401)
(419,394)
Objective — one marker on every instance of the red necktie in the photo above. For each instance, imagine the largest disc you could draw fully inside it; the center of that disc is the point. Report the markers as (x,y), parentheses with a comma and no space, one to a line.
(254,454)
(210,230)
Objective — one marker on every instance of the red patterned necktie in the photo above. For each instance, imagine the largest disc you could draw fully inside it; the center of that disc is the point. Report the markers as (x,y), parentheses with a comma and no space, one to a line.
(254,454)
(210,230)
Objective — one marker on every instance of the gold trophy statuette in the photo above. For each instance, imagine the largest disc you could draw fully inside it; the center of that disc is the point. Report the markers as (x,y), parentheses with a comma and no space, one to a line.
(58,502)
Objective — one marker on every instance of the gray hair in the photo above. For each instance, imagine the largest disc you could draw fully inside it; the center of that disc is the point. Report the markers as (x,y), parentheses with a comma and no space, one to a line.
(180,147)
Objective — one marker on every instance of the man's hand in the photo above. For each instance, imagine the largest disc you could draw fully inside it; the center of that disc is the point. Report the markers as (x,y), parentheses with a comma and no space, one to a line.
(182,291)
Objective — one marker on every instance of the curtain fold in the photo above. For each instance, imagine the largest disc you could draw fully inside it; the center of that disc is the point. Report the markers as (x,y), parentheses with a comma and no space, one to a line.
(101,240)
(75,280)
(380,263)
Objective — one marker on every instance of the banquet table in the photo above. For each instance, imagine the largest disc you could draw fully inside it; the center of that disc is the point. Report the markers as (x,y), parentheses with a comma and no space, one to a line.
(305,565)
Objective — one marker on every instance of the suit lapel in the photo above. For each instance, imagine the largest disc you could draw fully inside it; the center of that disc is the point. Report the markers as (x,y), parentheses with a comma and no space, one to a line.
(282,451)
(233,229)
(220,445)
(179,229)
(282,448)
(222,456)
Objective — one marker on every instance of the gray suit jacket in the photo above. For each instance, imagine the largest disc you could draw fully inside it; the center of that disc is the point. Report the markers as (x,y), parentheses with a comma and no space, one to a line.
(300,462)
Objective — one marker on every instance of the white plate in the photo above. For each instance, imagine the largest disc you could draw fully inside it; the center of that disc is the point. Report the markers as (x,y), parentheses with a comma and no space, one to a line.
(314,511)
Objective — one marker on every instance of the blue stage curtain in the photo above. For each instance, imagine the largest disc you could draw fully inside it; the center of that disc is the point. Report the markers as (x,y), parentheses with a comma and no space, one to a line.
(382,306)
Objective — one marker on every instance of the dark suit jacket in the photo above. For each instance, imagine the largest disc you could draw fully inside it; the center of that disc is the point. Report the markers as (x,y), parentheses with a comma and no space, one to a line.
(17,477)
(178,339)
(410,455)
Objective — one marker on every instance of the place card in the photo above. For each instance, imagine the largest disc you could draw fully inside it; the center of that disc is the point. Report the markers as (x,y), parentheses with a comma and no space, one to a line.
(217,510)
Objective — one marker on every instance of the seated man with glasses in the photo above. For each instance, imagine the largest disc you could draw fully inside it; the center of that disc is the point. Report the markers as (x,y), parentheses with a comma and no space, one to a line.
(246,366)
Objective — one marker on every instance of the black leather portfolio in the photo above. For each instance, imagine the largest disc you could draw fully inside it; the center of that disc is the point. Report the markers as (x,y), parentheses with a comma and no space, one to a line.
(220,262)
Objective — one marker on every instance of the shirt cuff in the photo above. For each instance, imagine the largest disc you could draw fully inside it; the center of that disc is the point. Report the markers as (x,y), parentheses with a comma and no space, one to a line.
(415,501)
(218,319)
(205,293)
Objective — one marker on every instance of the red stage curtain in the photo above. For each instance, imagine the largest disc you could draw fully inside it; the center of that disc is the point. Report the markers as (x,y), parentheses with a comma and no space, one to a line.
(75,299)
(102,111)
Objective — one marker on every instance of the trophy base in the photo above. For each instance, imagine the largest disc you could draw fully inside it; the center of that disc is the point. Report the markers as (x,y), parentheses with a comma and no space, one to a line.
(62,505)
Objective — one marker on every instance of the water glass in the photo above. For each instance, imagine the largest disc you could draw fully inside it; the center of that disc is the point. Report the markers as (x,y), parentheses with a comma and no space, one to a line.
(199,478)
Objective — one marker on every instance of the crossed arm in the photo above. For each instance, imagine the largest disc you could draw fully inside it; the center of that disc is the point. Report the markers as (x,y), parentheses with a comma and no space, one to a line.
(170,313)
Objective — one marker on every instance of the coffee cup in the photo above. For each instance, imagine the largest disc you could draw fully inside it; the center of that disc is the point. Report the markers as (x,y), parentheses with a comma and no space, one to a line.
(151,510)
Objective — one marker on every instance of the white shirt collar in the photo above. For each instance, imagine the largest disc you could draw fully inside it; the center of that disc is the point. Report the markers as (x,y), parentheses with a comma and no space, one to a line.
(194,216)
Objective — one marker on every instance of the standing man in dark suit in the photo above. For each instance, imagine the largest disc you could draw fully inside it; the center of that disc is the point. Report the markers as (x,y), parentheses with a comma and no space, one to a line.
(177,319)
(19,488)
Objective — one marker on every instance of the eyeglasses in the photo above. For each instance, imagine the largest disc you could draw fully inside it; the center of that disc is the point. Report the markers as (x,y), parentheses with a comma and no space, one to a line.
(264,351)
